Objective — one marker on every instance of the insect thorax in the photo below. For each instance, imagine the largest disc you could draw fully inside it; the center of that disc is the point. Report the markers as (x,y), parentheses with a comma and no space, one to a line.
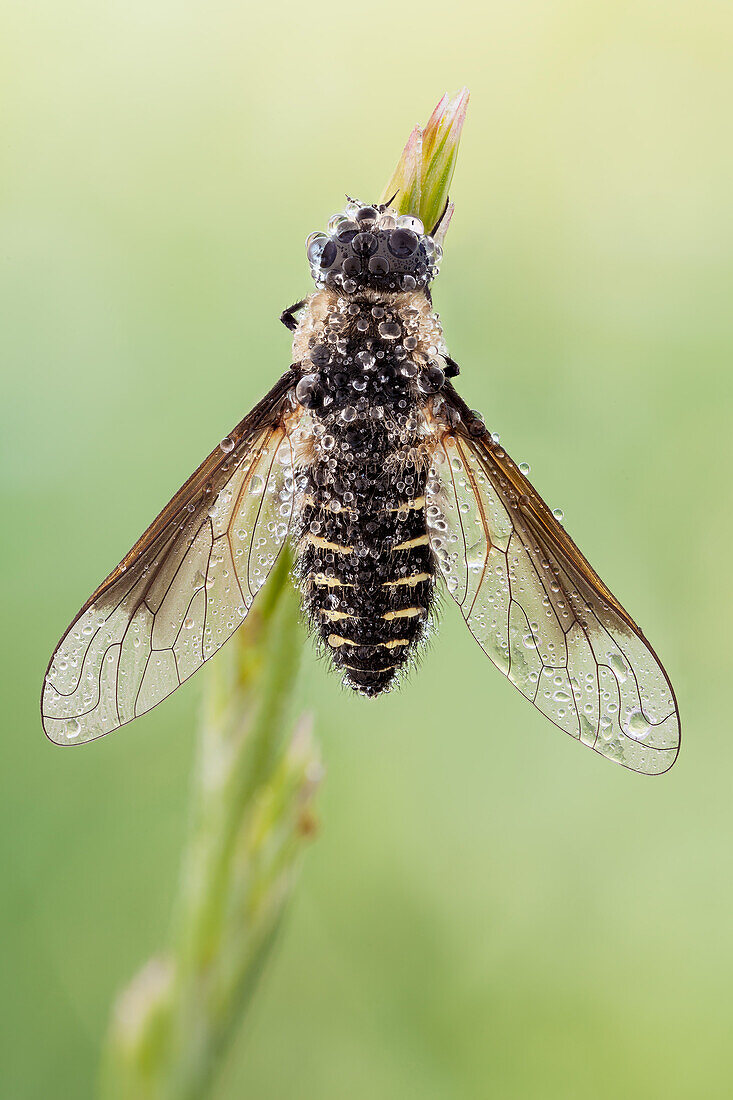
(371,364)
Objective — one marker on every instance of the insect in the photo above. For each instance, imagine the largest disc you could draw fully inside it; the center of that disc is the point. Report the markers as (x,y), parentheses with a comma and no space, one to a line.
(364,456)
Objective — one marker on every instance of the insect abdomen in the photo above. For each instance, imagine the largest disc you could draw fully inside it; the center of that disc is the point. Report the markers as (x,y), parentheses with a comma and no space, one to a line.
(366,567)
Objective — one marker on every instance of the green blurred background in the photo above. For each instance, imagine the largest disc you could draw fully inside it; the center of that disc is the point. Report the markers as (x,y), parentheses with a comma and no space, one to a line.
(490,909)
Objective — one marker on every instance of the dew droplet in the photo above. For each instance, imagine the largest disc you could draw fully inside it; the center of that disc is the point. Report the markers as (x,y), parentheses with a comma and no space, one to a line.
(637,725)
(618,667)
(365,359)
(227,444)
(408,221)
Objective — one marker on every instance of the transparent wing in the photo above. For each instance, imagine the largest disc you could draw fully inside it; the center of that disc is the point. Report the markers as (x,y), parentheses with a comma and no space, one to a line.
(185,586)
(539,611)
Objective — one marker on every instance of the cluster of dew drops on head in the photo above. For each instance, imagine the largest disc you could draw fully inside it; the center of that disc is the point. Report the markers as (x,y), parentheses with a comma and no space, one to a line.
(372,246)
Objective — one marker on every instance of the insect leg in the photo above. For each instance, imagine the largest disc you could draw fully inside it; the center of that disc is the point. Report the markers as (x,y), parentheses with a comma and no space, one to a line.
(452,368)
(288,315)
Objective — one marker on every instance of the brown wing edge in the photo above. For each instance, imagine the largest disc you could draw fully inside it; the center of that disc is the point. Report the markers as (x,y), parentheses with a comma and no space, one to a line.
(268,412)
(538,515)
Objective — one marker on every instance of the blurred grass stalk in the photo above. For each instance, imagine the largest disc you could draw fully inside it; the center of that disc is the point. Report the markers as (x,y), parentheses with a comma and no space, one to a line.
(253,785)
(254,781)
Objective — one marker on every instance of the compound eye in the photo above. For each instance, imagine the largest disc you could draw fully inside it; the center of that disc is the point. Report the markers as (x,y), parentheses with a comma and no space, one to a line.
(402,243)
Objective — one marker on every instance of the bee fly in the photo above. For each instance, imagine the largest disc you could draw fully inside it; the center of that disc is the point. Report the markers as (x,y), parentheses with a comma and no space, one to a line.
(364,456)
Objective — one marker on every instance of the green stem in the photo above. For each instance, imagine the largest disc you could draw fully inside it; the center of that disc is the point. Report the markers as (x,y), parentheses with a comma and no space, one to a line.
(253,783)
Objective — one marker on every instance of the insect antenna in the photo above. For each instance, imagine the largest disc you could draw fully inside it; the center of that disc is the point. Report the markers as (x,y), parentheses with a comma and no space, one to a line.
(435,228)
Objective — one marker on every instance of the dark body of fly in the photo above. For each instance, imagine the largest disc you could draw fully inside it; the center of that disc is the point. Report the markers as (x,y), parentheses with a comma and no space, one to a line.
(364,560)
(371,353)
